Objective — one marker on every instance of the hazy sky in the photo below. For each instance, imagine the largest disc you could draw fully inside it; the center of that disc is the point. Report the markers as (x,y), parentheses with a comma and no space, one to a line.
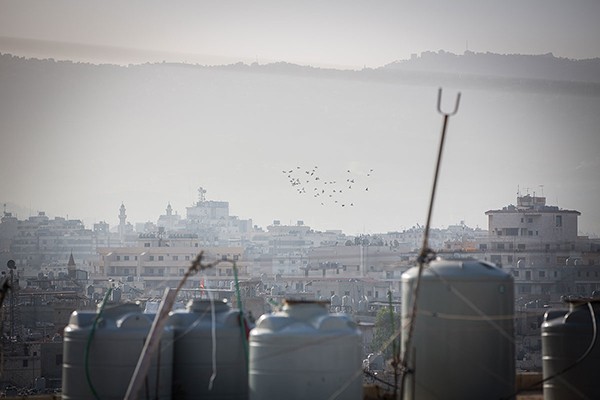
(329,33)
(340,34)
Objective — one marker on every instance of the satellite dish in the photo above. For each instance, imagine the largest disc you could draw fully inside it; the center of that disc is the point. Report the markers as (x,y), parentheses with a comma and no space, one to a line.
(11,264)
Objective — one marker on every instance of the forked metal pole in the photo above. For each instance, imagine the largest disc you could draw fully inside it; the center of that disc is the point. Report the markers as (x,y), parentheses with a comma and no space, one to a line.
(425,250)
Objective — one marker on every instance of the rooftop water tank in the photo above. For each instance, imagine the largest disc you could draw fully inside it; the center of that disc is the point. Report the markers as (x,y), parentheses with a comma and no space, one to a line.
(336,301)
(462,346)
(193,349)
(114,350)
(304,352)
(570,351)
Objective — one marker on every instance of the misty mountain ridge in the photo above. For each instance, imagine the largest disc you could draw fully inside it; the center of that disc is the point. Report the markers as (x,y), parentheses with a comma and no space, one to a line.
(519,66)
(535,72)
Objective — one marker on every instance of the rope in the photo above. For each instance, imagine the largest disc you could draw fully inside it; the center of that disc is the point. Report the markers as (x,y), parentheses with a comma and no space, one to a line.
(89,343)
(213,333)
(242,319)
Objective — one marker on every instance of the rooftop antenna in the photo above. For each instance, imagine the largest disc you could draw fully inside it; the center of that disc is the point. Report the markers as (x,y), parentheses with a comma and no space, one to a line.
(426,253)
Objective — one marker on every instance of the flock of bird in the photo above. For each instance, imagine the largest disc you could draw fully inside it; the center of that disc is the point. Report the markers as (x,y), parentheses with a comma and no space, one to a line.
(339,191)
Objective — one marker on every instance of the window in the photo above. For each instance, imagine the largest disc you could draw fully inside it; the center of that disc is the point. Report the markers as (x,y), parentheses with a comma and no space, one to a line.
(25,363)
(542,274)
(527,274)
(58,359)
(118,258)
(347,293)
(516,272)
(521,246)
(175,258)
(187,258)
(500,246)
(559,220)
(509,259)
(126,258)
(151,258)
(525,289)
(529,220)
(146,244)
(496,258)
(161,258)
(483,246)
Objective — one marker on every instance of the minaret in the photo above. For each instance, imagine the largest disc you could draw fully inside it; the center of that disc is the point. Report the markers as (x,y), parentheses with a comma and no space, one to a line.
(122,222)
(71,266)
(169,210)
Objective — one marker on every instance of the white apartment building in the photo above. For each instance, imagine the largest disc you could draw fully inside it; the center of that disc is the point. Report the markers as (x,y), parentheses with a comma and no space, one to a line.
(160,267)
(531,233)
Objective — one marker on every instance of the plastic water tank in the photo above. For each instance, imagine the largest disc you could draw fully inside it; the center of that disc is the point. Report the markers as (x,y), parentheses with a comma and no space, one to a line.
(566,337)
(304,352)
(192,354)
(336,301)
(113,354)
(462,346)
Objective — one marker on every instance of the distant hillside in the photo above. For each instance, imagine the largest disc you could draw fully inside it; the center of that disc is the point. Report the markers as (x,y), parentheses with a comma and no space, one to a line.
(544,66)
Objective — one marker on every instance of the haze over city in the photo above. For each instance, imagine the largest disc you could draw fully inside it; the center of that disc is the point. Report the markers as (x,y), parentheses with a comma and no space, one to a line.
(81,139)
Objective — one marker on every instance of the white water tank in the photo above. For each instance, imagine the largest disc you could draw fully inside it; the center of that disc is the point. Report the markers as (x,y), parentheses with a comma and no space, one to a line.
(114,350)
(193,349)
(304,352)
(462,346)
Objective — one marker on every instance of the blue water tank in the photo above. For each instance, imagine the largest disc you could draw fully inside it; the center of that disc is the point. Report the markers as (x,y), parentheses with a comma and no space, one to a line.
(304,352)
(114,351)
(567,336)
(193,351)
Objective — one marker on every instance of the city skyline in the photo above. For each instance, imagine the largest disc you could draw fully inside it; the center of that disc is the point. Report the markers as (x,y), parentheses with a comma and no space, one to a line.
(79,139)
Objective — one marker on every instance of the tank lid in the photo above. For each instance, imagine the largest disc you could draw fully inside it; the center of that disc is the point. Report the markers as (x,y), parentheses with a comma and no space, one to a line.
(458,269)
(578,300)
(291,302)
(203,305)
